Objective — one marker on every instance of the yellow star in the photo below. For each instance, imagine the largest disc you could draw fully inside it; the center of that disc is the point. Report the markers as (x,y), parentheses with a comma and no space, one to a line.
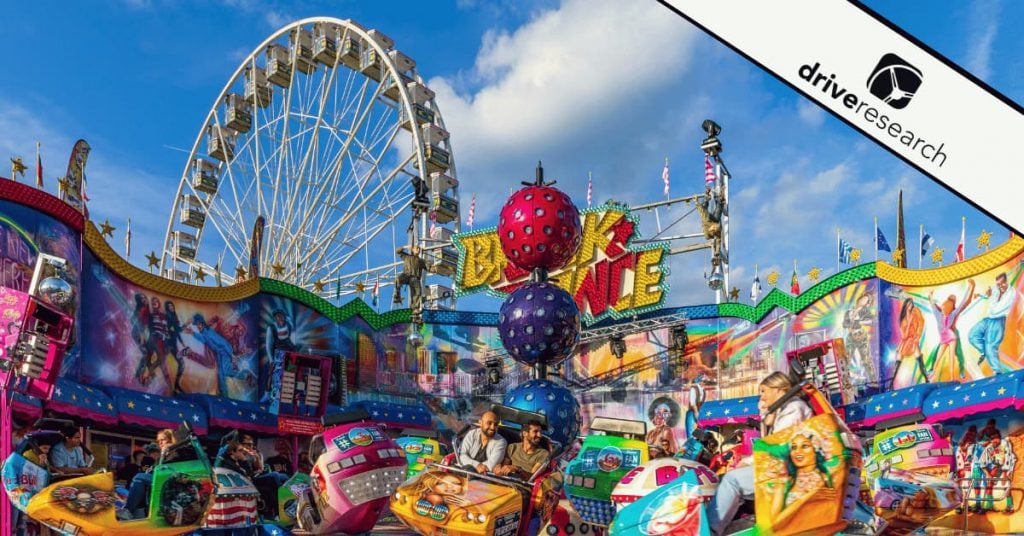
(937,254)
(110,406)
(983,239)
(153,260)
(734,294)
(360,287)
(1001,391)
(773,278)
(239,272)
(131,404)
(200,274)
(278,268)
(897,256)
(106,229)
(318,285)
(855,255)
(814,273)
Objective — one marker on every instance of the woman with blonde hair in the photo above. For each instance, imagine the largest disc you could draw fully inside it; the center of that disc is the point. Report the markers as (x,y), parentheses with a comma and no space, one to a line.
(738,485)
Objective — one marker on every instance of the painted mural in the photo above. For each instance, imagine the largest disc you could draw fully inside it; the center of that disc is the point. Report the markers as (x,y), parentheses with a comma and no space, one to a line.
(959,331)
(24,233)
(142,340)
(990,473)
(292,327)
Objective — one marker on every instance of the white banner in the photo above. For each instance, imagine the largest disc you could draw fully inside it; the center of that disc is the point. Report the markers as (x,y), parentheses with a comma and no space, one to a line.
(920,106)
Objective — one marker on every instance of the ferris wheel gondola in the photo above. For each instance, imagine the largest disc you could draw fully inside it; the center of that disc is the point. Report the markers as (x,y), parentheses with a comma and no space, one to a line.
(328,133)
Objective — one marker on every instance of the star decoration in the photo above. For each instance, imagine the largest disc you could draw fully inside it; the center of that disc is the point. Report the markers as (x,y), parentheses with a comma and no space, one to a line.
(110,406)
(728,411)
(106,229)
(200,274)
(814,273)
(239,272)
(152,259)
(855,255)
(878,408)
(897,256)
(773,278)
(277,268)
(131,404)
(1001,391)
(983,239)
(734,294)
(937,256)
(360,287)
(63,184)
(319,286)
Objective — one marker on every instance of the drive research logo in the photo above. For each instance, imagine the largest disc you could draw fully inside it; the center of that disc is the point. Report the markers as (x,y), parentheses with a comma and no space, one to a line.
(894,81)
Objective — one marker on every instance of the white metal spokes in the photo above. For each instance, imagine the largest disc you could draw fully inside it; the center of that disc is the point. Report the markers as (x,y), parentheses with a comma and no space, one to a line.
(325,160)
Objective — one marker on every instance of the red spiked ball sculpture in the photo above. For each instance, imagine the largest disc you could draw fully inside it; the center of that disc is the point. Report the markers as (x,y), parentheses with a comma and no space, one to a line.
(539,226)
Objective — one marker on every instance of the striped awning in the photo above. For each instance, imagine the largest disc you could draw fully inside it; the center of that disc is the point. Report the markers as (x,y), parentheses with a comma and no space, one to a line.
(961,400)
(900,406)
(82,401)
(728,411)
(26,406)
(145,409)
(235,414)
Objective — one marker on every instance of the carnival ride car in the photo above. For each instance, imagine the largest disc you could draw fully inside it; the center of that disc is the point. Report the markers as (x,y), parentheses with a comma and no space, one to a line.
(179,496)
(357,468)
(827,506)
(24,475)
(421,448)
(446,499)
(613,448)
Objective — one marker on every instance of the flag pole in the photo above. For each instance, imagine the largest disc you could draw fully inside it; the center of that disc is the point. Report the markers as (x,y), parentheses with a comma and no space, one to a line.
(876,238)
(839,250)
(920,248)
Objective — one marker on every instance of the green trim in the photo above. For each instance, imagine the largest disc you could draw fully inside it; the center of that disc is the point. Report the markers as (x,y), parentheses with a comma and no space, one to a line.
(795,304)
(356,307)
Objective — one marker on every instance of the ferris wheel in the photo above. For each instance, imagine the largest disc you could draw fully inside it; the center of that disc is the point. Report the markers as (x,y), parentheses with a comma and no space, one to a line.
(322,162)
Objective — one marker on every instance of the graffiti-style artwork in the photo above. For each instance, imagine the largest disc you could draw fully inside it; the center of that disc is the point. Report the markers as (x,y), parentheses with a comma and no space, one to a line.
(146,341)
(285,325)
(850,314)
(960,331)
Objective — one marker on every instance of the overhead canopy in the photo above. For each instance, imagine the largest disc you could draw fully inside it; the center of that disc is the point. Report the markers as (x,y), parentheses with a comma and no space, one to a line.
(854,415)
(227,413)
(395,415)
(899,407)
(26,406)
(134,407)
(82,401)
(728,411)
(960,401)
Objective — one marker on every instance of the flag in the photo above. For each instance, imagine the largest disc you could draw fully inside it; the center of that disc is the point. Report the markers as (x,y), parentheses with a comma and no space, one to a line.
(590,188)
(472,212)
(128,240)
(794,283)
(337,289)
(39,168)
(375,293)
(926,243)
(844,251)
(664,177)
(881,244)
(960,246)
(755,288)
(709,173)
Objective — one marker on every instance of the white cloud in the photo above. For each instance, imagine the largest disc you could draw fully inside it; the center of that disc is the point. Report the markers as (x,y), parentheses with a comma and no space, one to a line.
(810,113)
(983,25)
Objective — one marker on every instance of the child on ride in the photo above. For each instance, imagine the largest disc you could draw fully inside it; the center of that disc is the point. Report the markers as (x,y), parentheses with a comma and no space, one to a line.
(738,485)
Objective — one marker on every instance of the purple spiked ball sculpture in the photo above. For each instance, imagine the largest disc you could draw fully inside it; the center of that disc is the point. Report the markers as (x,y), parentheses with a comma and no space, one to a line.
(539,323)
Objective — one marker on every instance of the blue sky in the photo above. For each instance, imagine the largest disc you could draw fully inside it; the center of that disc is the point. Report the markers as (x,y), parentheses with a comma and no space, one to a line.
(596,86)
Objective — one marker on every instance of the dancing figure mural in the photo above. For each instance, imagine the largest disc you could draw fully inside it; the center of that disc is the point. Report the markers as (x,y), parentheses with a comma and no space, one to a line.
(987,334)
(940,362)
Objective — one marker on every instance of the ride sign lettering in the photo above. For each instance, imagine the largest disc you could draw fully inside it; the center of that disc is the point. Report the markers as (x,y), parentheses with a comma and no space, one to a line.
(608,276)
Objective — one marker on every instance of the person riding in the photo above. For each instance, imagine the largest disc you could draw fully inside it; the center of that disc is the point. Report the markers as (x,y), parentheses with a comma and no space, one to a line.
(138,491)
(522,460)
(68,458)
(738,485)
(483,449)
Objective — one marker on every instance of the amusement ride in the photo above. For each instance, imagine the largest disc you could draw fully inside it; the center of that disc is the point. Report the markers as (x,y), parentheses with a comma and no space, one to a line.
(324,169)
